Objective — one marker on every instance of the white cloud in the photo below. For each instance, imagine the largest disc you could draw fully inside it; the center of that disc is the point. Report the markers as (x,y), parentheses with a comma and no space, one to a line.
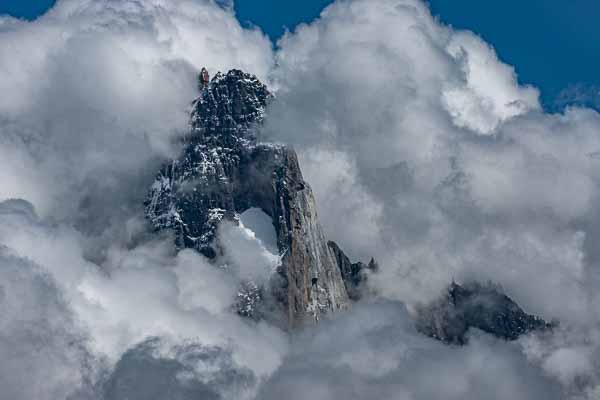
(422,148)
(384,357)
(94,92)
(488,93)
(43,353)
(454,169)
(146,291)
(247,254)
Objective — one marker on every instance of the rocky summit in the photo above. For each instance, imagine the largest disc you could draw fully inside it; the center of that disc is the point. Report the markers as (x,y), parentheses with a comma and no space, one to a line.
(224,171)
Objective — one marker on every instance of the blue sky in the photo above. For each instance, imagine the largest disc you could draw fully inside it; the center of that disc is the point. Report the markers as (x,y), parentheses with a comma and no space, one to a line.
(25,8)
(554,45)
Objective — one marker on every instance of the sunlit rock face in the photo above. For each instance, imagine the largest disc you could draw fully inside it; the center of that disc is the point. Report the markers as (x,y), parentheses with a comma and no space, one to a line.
(224,171)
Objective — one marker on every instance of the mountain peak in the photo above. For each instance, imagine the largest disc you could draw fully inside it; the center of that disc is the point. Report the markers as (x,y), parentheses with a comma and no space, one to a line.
(228,106)
(223,171)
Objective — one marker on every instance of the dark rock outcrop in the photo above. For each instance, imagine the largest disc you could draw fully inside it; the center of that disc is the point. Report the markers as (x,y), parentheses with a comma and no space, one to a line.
(224,171)
(484,307)
(355,275)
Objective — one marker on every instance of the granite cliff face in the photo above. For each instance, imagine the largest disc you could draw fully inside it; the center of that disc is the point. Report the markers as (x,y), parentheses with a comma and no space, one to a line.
(224,171)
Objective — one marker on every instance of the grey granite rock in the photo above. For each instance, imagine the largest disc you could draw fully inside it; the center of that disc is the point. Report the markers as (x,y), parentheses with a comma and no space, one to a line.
(224,171)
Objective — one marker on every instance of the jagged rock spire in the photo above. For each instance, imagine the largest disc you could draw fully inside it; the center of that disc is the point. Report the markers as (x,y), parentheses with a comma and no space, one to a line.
(224,171)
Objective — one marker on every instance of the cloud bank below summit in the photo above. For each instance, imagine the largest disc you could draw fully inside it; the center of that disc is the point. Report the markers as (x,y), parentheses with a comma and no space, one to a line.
(422,149)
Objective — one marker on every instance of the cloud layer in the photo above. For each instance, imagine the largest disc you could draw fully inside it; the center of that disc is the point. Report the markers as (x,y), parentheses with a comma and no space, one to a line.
(423,150)
(444,167)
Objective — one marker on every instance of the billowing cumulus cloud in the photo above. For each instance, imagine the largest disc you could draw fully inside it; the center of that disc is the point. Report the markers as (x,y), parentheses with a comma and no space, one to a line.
(43,353)
(95,96)
(95,313)
(444,163)
(93,92)
(423,150)
(384,357)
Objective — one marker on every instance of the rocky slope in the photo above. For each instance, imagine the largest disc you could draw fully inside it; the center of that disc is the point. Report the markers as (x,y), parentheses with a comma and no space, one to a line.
(224,171)
(479,306)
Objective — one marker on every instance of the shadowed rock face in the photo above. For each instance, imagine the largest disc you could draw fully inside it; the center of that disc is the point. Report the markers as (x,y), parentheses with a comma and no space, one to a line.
(355,275)
(479,306)
(223,171)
